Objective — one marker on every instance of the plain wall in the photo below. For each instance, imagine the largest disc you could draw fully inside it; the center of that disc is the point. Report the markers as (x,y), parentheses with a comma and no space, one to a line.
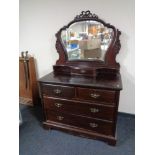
(40,19)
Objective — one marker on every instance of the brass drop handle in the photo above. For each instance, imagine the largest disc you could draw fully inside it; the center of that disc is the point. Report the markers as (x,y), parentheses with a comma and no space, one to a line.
(93,125)
(57,91)
(94,95)
(60,118)
(94,110)
(58,105)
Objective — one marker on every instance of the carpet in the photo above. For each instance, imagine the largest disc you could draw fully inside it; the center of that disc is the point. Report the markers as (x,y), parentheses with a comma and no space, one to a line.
(34,140)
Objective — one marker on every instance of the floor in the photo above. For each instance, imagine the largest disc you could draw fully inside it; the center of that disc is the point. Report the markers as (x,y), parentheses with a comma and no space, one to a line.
(34,140)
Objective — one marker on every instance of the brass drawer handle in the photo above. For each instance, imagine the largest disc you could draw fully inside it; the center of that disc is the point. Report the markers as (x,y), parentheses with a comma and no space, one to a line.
(60,118)
(83,71)
(94,110)
(93,125)
(94,95)
(57,91)
(58,105)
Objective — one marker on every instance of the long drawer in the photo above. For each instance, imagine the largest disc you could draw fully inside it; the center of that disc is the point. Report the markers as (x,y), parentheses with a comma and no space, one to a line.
(97,95)
(98,126)
(80,108)
(58,91)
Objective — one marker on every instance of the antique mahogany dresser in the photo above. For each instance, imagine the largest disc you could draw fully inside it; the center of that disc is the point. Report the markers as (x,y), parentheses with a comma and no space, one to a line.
(81,95)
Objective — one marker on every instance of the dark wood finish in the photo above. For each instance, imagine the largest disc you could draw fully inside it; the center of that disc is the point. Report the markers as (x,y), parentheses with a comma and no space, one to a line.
(75,104)
(106,83)
(82,97)
(87,109)
(103,127)
(32,92)
(111,140)
(58,91)
(110,57)
(84,70)
(106,96)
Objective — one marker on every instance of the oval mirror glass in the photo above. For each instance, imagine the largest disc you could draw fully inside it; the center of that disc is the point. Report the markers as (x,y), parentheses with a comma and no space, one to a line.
(86,40)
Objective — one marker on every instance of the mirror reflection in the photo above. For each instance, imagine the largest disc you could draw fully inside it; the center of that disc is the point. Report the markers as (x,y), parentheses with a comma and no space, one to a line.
(87,40)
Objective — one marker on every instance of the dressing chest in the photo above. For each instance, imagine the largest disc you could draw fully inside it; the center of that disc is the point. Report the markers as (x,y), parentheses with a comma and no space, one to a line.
(81,95)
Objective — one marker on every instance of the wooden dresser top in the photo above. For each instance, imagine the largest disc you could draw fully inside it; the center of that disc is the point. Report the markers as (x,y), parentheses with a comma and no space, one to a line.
(104,82)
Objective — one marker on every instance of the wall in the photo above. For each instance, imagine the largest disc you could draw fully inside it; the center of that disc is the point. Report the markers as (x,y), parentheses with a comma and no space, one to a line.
(40,19)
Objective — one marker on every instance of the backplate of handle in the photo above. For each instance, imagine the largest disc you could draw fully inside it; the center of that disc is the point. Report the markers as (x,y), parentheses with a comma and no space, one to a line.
(94,95)
(93,125)
(94,110)
(60,118)
(57,91)
(58,105)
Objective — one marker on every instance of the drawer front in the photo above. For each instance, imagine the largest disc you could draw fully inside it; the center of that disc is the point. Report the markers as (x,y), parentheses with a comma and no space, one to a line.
(58,91)
(106,96)
(82,71)
(81,122)
(80,108)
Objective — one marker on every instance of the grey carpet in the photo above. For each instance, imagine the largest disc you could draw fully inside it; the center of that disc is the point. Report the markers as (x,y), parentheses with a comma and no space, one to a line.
(34,140)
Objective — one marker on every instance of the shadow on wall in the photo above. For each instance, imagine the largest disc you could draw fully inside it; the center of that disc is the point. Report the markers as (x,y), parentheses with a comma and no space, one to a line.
(53,51)
(127,95)
(36,67)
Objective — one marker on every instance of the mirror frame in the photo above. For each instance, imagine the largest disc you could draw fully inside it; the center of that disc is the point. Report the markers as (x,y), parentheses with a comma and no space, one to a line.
(110,56)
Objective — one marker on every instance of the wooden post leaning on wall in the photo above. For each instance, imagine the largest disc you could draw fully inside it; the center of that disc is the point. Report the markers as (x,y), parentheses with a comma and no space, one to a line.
(28,86)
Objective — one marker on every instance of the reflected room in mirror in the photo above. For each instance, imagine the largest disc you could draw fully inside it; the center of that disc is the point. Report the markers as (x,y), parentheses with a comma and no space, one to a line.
(86,40)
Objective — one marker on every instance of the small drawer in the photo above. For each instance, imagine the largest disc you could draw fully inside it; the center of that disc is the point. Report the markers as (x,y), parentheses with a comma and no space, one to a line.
(58,91)
(79,71)
(81,122)
(106,96)
(80,108)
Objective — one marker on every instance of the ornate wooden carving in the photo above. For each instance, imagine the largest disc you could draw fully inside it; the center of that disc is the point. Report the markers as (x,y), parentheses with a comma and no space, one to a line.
(86,14)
